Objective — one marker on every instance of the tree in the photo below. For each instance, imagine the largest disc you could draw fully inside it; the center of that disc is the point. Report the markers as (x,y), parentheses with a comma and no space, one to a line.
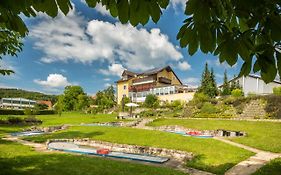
(70,99)
(208,83)
(249,29)
(59,105)
(151,100)
(106,98)
(225,87)
(83,102)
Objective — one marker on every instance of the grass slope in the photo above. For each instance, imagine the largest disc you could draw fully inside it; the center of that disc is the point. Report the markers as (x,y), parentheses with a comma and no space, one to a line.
(212,155)
(73,118)
(261,135)
(16,159)
(272,168)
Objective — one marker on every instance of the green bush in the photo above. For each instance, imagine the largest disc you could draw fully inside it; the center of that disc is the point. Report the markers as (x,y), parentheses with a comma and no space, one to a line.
(148,113)
(208,108)
(32,120)
(11,112)
(21,112)
(237,93)
(277,91)
(273,106)
(176,104)
(200,97)
(15,120)
(151,101)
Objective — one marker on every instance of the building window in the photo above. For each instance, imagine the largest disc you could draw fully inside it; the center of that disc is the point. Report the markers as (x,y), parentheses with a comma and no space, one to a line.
(125,87)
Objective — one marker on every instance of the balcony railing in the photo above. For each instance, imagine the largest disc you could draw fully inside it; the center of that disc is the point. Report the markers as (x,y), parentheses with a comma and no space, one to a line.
(143,80)
(164,80)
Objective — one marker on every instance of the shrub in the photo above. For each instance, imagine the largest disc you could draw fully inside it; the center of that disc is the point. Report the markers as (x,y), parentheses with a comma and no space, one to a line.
(15,120)
(151,100)
(277,91)
(273,106)
(237,93)
(177,104)
(148,113)
(200,97)
(28,111)
(32,120)
(11,112)
(208,108)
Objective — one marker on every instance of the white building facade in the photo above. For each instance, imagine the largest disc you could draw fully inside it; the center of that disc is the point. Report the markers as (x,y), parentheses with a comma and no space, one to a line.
(253,84)
(16,103)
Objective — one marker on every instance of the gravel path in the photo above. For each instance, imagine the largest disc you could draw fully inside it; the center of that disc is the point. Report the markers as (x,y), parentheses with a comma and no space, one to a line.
(253,163)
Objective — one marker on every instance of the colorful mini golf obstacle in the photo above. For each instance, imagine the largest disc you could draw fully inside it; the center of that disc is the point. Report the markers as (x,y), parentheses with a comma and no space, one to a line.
(71,147)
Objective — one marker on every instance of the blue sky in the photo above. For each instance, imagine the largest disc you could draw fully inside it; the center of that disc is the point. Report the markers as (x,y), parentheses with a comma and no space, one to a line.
(90,48)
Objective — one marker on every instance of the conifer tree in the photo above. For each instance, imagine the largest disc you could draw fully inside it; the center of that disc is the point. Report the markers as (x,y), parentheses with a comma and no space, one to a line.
(226,90)
(208,82)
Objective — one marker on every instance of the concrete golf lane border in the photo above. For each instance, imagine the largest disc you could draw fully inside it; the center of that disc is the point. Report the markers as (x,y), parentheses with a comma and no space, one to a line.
(171,163)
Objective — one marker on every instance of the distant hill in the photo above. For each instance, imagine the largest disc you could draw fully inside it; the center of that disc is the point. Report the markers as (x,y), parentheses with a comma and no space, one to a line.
(19,93)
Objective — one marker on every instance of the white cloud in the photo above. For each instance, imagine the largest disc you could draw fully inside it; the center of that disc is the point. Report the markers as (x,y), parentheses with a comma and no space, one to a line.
(107,79)
(107,84)
(184,65)
(192,81)
(79,41)
(53,81)
(113,69)
(178,4)
(100,8)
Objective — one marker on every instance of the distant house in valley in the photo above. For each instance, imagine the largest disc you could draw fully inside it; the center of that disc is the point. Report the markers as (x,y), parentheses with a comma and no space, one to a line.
(46,102)
(162,82)
(254,84)
(16,103)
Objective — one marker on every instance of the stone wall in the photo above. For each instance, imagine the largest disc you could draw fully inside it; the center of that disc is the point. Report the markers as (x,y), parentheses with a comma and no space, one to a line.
(219,132)
(254,109)
(48,129)
(181,156)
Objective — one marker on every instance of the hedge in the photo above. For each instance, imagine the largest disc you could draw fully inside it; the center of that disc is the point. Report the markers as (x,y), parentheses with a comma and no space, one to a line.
(21,112)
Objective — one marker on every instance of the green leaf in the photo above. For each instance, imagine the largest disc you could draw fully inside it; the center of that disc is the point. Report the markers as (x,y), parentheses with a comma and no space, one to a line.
(123,10)
(267,64)
(193,44)
(91,3)
(245,69)
(155,11)
(163,3)
(187,37)
(256,67)
(64,5)
(112,8)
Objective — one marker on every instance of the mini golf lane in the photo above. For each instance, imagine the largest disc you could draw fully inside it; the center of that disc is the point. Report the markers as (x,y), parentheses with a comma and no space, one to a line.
(71,147)
(27,133)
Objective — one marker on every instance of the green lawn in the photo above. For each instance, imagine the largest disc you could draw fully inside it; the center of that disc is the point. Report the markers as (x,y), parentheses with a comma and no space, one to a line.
(272,168)
(212,155)
(17,159)
(73,118)
(261,135)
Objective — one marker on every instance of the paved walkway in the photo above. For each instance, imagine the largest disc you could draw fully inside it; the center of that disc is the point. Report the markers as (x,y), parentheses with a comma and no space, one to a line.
(143,122)
(253,163)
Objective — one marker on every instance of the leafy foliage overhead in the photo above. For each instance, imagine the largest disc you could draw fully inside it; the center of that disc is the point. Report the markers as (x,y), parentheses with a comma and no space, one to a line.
(250,29)
(231,28)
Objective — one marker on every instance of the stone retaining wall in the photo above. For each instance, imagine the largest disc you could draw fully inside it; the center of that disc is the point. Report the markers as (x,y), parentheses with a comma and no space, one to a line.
(48,129)
(219,132)
(181,156)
